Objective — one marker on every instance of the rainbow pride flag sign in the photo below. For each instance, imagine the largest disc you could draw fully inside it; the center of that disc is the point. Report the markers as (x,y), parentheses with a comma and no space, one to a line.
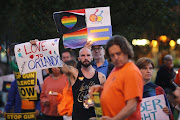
(78,26)
(6,86)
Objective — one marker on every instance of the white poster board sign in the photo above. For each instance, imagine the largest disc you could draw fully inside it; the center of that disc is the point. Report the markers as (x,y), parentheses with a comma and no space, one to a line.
(151,108)
(45,54)
(96,17)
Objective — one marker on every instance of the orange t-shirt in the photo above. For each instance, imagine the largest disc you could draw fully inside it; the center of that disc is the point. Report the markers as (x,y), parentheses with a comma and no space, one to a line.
(27,105)
(55,86)
(177,80)
(122,84)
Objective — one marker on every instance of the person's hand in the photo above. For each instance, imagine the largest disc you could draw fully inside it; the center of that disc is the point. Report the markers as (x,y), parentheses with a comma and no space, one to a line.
(33,42)
(105,118)
(95,88)
(166,110)
(88,44)
(37,112)
(36,88)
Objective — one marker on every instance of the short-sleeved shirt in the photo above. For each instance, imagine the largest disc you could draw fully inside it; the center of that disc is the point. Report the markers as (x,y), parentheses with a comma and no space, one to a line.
(103,68)
(122,85)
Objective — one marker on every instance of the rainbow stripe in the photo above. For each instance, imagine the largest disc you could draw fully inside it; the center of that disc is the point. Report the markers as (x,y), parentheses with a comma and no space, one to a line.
(69,22)
(8,86)
(80,34)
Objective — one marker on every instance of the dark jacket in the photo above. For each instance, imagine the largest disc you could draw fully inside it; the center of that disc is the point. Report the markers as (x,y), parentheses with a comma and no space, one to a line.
(14,99)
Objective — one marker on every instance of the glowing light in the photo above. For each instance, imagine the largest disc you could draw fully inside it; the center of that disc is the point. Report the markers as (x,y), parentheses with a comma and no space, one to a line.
(163,38)
(140,42)
(176,72)
(178,41)
(154,43)
(172,43)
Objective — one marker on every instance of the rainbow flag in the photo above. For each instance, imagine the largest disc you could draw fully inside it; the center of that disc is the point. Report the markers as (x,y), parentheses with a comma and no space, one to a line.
(75,39)
(6,86)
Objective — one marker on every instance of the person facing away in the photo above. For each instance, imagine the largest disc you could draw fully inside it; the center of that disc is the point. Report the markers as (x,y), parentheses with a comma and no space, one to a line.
(166,73)
(81,80)
(146,67)
(122,92)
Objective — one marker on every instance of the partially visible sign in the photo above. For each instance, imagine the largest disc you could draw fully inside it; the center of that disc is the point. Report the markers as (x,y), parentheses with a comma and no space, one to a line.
(45,54)
(20,116)
(7,78)
(97,105)
(26,84)
(151,108)
(6,86)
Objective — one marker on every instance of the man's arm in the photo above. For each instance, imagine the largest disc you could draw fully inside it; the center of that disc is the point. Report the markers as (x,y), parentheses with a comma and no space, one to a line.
(102,78)
(70,71)
(130,107)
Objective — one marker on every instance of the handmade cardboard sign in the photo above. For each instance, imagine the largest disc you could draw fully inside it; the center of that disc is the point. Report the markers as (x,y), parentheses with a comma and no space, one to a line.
(20,116)
(151,108)
(26,83)
(45,54)
(78,26)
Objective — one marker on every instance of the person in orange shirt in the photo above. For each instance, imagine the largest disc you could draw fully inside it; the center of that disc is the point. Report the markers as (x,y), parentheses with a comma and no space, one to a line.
(122,92)
(52,85)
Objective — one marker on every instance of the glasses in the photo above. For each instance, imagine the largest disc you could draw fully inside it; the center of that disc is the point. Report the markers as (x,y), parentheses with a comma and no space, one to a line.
(98,49)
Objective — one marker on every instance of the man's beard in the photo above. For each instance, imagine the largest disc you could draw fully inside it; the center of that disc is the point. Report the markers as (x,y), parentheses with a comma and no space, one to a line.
(86,64)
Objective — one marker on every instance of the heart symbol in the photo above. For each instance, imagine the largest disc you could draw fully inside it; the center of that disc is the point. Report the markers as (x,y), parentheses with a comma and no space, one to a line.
(19,54)
(31,56)
(69,22)
(50,52)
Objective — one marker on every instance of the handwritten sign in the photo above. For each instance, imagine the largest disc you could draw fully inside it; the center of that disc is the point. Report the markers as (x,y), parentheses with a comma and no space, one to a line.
(26,84)
(45,54)
(151,108)
(20,116)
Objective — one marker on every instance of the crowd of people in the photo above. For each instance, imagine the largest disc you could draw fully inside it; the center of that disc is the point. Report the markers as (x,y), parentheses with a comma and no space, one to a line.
(122,84)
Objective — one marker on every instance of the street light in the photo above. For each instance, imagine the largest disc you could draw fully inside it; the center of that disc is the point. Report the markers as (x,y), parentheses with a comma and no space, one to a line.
(172,43)
(163,38)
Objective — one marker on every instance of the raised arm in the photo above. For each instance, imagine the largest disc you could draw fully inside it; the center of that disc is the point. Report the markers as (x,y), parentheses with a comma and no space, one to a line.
(70,71)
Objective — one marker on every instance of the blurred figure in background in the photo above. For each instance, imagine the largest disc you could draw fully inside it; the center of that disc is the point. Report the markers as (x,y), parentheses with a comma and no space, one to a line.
(100,63)
(146,67)
(166,73)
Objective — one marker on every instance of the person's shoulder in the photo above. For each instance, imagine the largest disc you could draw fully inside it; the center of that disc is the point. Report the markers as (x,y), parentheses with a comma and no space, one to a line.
(152,85)
(47,78)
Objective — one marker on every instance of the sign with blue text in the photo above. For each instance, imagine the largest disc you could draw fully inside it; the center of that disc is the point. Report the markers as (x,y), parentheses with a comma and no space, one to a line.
(45,54)
(151,108)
